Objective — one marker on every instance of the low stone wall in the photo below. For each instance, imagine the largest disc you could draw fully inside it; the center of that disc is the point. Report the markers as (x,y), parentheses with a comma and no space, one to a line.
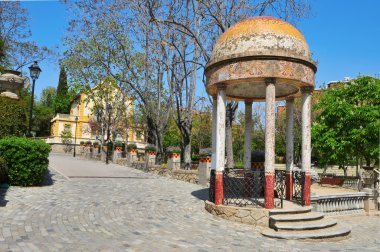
(252,216)
(183,175)
(186,175)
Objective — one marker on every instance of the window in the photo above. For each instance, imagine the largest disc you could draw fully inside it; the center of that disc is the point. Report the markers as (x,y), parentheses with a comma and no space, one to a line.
(138,134)
(67,127)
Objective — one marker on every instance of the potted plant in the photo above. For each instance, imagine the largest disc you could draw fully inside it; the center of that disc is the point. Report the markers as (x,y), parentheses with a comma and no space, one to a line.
(258,159)
(96,145)
(88,143)
(118,146)
(173,151)
(150,150)
(132,148)
(205,155)
(81,143)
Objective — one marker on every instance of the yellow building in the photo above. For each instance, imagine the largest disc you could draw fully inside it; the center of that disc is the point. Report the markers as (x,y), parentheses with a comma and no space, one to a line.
(88,127)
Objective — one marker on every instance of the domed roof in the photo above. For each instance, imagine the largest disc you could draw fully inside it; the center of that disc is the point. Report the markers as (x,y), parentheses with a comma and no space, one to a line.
(261,36)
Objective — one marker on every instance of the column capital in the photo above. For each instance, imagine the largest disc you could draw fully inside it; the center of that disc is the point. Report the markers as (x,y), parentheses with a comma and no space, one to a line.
(248,102)
(270,81)
(307,89)
(290,98)
(221,86)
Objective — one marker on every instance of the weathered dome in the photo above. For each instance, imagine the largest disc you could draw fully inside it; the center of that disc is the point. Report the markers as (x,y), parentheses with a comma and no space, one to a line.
(255,49)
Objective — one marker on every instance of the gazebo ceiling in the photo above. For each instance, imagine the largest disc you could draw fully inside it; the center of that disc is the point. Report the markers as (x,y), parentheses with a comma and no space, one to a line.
(255,49)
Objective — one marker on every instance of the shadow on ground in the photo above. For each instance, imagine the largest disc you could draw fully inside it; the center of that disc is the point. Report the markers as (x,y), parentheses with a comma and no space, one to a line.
(201,194)
(48,178)
(3,192)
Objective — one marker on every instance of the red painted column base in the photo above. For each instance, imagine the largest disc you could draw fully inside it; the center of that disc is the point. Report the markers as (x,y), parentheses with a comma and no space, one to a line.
(306,190)
(289,186)
(219,194)
(269,191)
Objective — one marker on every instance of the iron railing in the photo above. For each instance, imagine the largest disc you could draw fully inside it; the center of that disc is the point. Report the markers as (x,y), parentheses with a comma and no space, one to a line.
(298,187)
(280,186)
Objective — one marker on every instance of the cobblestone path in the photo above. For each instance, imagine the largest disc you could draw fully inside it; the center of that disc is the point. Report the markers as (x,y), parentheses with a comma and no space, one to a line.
(141,212)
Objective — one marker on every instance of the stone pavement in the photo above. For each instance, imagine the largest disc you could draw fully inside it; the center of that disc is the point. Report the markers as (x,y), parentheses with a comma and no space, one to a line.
(140,212)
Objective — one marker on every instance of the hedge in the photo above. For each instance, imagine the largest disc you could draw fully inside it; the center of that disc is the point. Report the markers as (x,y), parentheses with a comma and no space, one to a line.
(13,120)
(27,160)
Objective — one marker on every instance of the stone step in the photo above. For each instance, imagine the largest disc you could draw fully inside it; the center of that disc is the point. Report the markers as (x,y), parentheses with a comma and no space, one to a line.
(299,210)
(297,217)
(330,232)
(307,225)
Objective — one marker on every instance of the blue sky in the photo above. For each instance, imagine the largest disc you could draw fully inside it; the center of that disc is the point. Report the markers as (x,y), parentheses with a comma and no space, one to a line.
(343,35)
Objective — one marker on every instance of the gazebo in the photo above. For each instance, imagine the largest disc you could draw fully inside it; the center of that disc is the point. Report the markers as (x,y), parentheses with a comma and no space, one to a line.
(261,59)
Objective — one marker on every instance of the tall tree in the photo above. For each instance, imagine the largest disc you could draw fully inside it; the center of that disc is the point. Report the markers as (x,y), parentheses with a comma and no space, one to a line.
(15,34)
(347,128)
(62,98)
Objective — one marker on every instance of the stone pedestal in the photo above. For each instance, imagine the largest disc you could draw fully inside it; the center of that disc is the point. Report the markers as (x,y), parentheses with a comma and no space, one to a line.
(117,153)
(131,156)
(150,158)
(82,150)
(103,154)
(88,152)
(174,161)
(204,170)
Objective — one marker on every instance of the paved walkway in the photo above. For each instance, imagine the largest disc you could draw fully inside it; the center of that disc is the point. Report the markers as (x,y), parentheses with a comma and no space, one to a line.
(138,212)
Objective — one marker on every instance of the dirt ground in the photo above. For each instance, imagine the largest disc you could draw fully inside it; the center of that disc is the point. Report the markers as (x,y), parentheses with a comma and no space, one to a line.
(317,189)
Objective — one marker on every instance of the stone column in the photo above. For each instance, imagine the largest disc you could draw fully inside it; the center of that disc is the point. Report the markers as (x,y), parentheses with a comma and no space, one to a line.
(248,149)
(131,157)
(270,100)
(214,114)
(306,141)
(289,147)
(220,144)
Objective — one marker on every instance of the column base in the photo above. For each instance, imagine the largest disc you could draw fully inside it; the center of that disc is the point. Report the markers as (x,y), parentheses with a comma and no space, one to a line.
(269,191)
(289,186)
(306,190)
(219,192)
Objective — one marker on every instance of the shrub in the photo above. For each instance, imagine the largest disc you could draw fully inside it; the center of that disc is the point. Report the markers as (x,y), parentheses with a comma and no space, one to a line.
(67,140)
(3,171)
(118,144)
(13,120)
(131,147)
(150,148)
(81,142)
(206,152)
(26,159)
(195,157)
(258,156)
(173,149)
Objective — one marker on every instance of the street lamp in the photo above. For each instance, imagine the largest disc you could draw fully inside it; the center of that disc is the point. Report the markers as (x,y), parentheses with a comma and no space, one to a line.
(76,126)
(109,111)
(35,71)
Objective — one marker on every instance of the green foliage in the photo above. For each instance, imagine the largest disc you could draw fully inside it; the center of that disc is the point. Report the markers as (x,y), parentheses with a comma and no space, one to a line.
(27,160)
(206,152)
(131,147)
(62,99)
(172,136)
(81,142)
(118,144)
(3,171)
(195,157)
(13,119)
(66,138)
(42,116)
(173,149)
(150,148)
(347,128)
(258,156)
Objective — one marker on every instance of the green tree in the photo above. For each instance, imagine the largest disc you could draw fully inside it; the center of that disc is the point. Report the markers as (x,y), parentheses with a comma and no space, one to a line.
(62,99)
(13,120)
(348,125)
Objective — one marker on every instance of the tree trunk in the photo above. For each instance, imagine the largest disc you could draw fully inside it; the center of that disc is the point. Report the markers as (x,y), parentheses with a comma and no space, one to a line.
(230,116)
(229,148)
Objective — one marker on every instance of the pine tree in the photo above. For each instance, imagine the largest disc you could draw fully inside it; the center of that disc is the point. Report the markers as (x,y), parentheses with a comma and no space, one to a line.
(62,100)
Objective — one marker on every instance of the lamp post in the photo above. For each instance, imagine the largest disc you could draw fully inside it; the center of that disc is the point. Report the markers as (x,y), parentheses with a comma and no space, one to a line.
(109,111)
(35,71)
(75,137)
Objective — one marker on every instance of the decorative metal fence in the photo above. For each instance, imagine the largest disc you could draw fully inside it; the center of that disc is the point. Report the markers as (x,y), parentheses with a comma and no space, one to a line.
(243,188)
(280,186)
(298,187)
